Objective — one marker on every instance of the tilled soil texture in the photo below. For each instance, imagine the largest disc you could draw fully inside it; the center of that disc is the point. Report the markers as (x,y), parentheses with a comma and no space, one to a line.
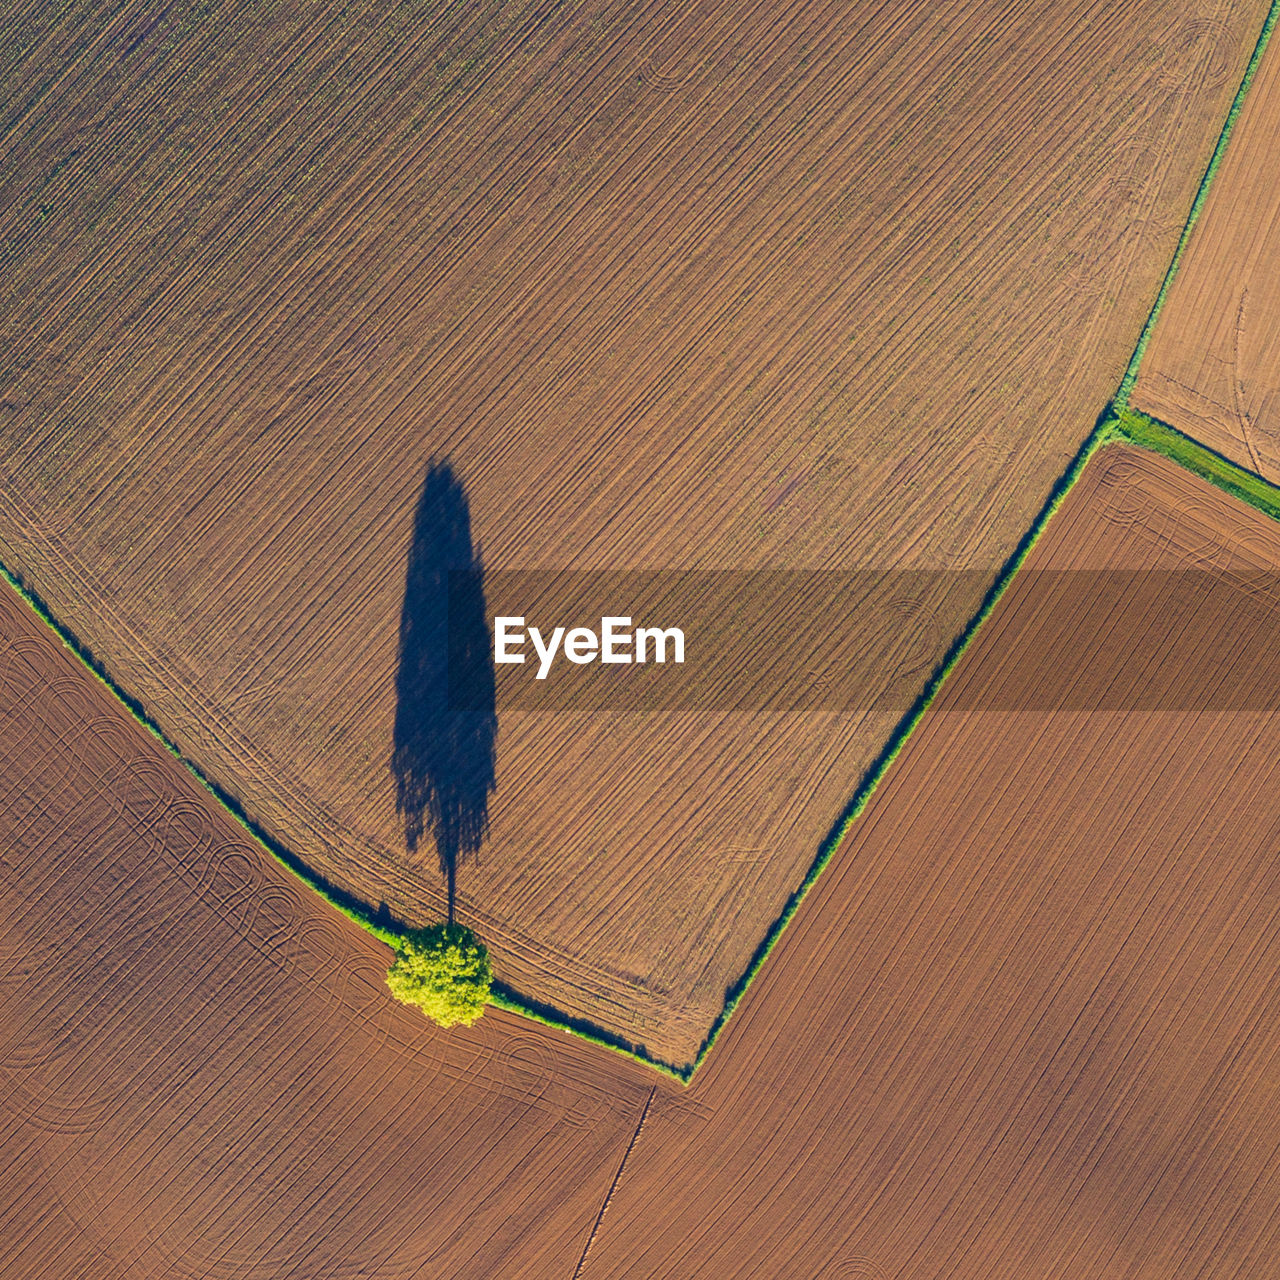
(1026,1025)
(1212,367)
(730,286)
(201,1070)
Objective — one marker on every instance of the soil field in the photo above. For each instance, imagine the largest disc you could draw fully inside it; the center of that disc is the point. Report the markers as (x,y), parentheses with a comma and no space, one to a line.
(1025,1025)
(713,286)
(1212,368)
(201,1070)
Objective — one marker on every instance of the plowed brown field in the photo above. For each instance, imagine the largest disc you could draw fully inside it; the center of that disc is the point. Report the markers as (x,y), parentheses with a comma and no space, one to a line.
(1027,1025)
(201,1070)
(1212,368)
(709,285)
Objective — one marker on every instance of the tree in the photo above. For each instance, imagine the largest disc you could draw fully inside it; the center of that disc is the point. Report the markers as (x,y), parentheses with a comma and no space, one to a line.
(444,970)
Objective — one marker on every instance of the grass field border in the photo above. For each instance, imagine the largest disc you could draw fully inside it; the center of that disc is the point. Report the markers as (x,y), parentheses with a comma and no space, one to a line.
(341,901)
(1150,433)
(1118,422)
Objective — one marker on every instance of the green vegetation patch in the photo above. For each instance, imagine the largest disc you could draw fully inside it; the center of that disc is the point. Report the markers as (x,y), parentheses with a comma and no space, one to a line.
(1137,428)
(444,969)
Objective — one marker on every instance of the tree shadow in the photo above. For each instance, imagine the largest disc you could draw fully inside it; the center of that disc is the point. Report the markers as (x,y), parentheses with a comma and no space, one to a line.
(446,725)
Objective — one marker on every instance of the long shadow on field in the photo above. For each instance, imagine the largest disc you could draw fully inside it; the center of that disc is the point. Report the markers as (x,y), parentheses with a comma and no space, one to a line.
(446,726)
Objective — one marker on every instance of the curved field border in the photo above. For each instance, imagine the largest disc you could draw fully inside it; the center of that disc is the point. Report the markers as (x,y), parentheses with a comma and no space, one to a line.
(1116,423)
(383,926)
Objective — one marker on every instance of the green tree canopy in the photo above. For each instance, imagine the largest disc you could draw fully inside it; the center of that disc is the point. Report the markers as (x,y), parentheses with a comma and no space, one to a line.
(443,969)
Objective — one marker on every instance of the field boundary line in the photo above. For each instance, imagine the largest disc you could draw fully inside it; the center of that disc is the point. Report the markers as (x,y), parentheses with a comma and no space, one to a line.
(872,776)
(502,996)
(1197,205)
(613,1186)
(341,901)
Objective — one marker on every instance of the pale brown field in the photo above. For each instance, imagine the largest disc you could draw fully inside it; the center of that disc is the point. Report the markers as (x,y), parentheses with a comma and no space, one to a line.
(710,286)
(1212,368)
(201,1070)
(1025,1026)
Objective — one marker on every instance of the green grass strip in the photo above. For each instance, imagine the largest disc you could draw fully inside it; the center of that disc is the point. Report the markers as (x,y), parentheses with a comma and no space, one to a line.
(1202,193)
(503,997)
(1139,429)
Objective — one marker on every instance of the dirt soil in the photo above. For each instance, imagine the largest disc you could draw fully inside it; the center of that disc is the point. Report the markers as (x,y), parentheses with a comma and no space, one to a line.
(1212,368)
(1025,1026)
(201,1070)
(708,286)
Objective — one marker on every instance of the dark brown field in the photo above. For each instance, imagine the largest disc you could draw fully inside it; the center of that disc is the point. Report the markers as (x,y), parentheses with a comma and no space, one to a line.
(1025,1026)
(202,1073)
(1212,368)
(727,285)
